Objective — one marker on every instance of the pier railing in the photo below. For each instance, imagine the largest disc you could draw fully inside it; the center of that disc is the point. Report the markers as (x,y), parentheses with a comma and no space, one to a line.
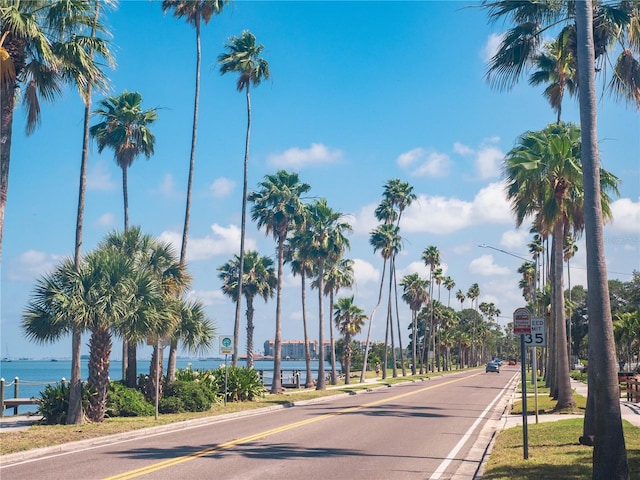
(15,401)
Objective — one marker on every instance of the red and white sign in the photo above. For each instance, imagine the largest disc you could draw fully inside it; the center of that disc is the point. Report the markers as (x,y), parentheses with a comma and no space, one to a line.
(521,321)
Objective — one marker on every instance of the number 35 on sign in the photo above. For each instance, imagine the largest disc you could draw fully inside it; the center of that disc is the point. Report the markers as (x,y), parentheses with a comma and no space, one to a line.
(538,335)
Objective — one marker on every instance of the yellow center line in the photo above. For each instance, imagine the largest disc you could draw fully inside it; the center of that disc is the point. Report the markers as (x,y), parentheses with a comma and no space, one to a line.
(240,441)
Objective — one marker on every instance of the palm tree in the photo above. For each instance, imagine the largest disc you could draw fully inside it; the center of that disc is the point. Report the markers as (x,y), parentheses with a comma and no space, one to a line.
(431,258)
(125,129)
(259,279)
(449,284)
(386,239)
(297,254)
(328,243)
(460,296)
(338,274)
(349,320)
(415,294)
(472,294)
(556,66)
(568,251)
(544,175)
(278,207)
(243,58)
(195,12)
(43,45)
(609,453)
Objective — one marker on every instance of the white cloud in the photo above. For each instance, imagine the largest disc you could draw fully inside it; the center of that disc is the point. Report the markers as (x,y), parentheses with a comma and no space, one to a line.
(485,266)
(517,240)
(99,178)
(430,164)
(223,241)
(105,220)
(407,159)
(442,215)
(317,154)
(488,162)
(491,46)
(364,273)
(626,216)
(462,149)
(167,187)
(414,267)
(208,297)
(222,187)
(31,264)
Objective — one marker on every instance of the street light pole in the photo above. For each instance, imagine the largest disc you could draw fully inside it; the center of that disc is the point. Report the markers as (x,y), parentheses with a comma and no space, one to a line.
(534,353)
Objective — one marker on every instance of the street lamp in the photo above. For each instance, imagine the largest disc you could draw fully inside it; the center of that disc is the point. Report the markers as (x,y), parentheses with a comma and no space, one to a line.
(534,376)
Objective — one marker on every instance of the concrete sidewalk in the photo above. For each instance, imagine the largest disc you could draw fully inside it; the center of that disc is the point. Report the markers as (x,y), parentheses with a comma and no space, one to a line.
(628,410)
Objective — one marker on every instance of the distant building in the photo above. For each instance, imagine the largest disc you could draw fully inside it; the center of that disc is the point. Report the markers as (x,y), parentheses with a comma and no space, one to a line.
(294,349)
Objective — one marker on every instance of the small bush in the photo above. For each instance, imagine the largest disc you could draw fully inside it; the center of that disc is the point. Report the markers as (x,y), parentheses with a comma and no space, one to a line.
(195,396)
(170,405)
(123,401)
(54,403)
(243,384)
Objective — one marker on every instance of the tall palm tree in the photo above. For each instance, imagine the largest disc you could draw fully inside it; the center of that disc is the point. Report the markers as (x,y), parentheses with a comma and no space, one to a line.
(43,45)
(327,235)
(299,257)
(609,453)
(243,57)
(431,258)
(386,239)
(278,207)
(569,249)
(544,180)
(460,296)
(85,84)
(472,294)
(349,320)
(259,279)
(415,294)
(194,12)
(449,284)
(338,274)
(125,129)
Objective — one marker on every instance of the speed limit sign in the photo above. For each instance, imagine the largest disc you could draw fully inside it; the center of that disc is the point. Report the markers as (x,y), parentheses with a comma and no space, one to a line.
(538,335)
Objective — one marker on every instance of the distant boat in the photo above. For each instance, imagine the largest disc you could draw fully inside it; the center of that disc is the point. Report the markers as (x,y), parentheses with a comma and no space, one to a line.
(54,359)
(6,360)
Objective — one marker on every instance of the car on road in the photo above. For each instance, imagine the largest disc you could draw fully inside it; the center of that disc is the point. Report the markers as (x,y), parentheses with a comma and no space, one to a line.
(512,362)
(492,367)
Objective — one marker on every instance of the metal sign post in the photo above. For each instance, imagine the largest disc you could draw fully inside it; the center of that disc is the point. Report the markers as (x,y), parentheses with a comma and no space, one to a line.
(226,347)
(522,327)
(537,338)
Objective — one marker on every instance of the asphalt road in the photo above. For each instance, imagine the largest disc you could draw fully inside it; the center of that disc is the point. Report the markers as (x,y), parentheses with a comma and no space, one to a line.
(420,430)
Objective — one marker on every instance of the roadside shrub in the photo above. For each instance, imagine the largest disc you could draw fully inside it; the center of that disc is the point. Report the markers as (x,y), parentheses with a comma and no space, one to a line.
(195,397)
(243,384)
(170,405)
(123,401)
(54,403)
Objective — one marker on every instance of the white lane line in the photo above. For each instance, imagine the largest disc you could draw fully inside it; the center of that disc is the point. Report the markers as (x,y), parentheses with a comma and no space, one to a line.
(452,454)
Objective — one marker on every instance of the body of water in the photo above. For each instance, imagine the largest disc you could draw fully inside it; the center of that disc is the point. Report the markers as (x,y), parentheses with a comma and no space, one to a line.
(34,375)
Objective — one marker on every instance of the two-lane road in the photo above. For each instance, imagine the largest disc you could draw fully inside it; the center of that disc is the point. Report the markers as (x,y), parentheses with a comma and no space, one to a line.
(417,430)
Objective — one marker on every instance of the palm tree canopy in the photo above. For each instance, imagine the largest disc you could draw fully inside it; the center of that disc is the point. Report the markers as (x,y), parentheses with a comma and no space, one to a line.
(194,10)
(386,239)
(414,291)
(348,317)
(125,127)
(277,206)
(243,57)
(259,276)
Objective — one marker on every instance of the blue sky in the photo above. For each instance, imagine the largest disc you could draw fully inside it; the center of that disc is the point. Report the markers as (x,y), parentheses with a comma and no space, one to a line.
(360,92)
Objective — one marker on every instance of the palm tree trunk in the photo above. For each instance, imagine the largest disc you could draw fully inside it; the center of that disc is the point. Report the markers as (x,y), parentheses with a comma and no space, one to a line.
(394,367)
(126,349)
(74,412)
(7,101)
(373,312)
(99,354)
(276,385)
(250,328)
(563,380)
(321,384)
(414,341)
(347,358)
(243,228)
(334,373)
(395,287)
(307,351)
(173,348)
(609,453)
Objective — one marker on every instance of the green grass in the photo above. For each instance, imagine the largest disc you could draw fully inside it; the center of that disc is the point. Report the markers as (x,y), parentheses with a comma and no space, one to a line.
(554,453)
